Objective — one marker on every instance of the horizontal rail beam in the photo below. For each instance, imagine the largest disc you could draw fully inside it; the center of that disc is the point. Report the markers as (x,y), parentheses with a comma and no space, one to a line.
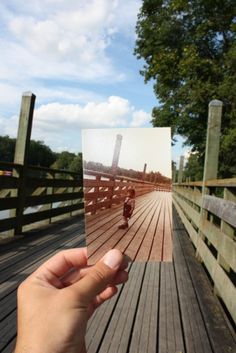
(224,209)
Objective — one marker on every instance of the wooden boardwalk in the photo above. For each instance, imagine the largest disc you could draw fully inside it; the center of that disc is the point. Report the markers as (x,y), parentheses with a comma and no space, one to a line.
(165,307)
(148,236)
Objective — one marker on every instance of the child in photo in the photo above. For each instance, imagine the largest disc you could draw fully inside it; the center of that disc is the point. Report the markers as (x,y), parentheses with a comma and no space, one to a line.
(128,208)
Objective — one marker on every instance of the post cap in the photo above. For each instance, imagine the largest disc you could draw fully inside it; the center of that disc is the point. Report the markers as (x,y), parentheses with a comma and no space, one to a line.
(28,94)
(215,103)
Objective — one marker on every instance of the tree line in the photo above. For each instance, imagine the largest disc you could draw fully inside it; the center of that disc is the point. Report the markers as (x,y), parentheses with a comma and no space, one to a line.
(42,155)
(130,173)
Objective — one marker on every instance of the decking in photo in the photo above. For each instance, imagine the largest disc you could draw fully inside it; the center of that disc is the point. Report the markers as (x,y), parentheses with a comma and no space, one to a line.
(148,237)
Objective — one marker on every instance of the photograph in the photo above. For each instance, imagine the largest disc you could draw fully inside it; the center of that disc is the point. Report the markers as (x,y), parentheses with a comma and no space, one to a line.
(127,192)
(118,176)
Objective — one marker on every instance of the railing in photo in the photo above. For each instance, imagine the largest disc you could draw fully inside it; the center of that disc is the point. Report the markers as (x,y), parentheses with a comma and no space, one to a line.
(103,190)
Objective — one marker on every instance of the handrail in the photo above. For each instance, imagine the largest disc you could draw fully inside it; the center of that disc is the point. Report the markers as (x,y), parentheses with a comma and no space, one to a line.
(120,177)
(38,168)
(214,182)
(10,165)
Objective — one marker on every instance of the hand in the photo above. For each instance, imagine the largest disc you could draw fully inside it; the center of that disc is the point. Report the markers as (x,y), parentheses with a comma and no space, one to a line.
(56,301)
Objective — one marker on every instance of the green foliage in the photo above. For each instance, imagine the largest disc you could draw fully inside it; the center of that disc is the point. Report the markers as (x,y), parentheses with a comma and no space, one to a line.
(7,148)
(39,154)
(64,160)
(193,168)
(190,51)
(77,164)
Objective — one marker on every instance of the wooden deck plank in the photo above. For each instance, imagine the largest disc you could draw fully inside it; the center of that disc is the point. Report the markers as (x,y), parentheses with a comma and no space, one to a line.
(25,259)
(196,338)
(112,220)
(101,217)
(144,335)
(13,280)
(167,241)
(115,237)
(120,326)
(103,315)
(157,247)
(136,242)
(147,244)
(170,330)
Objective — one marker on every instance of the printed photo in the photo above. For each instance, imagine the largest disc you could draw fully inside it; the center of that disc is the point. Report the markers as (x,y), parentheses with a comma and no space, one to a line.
(127,191)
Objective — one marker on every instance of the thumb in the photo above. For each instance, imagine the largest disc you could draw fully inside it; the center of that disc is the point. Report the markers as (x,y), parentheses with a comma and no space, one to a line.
(98,277)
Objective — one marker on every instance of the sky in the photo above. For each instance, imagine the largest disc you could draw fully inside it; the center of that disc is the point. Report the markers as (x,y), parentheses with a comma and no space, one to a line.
(77,58)
(138,146)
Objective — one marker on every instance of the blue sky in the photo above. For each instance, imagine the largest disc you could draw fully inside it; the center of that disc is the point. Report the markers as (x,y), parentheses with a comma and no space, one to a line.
(77,57)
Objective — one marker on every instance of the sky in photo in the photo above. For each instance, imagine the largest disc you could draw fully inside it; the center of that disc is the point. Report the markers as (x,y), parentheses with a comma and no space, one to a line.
(138,146)
(77,58)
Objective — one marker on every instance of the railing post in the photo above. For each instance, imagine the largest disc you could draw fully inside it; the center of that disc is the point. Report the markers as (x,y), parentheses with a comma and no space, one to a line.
(96,190)
(211,157)
(116,154)
(144,171)
(50,191)
(173,174)
(21,157)
(181,169)
(213,141)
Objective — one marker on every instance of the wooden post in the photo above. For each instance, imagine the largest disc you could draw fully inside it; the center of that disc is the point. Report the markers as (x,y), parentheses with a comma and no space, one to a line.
(213,140)
(49,191)
(144,171)
(173,174)
(211,157)
(21,156)
(155,179)
(116,154)
(181,169)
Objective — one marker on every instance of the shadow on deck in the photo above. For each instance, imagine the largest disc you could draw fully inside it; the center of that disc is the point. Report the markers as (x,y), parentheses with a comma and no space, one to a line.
(148,236)
(165,307)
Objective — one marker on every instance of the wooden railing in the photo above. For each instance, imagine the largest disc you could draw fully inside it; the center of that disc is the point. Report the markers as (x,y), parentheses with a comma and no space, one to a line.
(55,193)
(208,210)
(102,190)
(209,215)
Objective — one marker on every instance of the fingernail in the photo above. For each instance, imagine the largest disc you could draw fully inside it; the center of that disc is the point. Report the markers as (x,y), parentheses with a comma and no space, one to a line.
(113,258)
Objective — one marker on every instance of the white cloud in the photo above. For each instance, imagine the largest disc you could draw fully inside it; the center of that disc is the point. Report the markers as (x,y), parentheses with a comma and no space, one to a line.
(58,124)
(140,118)
(56,39)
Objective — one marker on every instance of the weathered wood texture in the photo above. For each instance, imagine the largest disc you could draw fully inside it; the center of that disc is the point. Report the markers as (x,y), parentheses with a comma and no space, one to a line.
(149,236)
(210,222)
(163,308)
(54,192)
(102,190)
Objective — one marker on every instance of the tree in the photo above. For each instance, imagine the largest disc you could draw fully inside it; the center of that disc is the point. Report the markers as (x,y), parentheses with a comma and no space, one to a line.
(7,148)
(64,160)
(39,153)
(190,51)
(77,165)
(193,168)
